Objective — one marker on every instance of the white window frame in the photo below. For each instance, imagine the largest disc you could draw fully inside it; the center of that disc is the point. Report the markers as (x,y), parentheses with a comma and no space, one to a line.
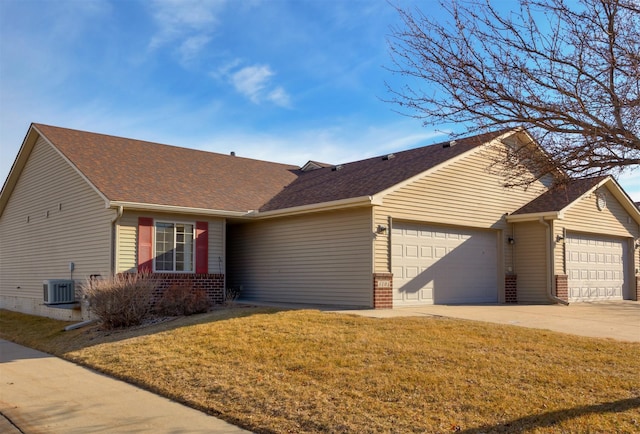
(193,245)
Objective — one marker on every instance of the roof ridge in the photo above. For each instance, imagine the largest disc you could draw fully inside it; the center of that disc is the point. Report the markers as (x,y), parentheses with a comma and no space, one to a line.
(148,142)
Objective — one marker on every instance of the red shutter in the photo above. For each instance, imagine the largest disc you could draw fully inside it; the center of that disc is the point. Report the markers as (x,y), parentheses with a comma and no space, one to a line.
(145,244)
(202,247)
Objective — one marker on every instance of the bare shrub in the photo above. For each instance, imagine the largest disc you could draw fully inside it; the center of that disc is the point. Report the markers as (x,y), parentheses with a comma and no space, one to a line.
(231,294)
(182,300)
(123,300)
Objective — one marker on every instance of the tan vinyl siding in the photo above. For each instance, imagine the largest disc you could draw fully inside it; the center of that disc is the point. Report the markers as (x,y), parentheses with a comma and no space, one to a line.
(382,242)
(508,250)
(530,259)
(585,217)
(52,218)
(127,232)
(126,238)
(463,193)
(322,258)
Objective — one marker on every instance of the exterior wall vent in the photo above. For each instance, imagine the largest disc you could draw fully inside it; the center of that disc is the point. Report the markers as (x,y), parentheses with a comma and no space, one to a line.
(58,291)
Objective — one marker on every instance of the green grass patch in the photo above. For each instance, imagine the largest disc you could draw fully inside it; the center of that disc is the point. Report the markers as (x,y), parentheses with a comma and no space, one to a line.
(308,371)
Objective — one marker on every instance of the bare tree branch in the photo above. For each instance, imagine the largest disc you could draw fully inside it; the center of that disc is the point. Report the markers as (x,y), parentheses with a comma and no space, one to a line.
(569,73)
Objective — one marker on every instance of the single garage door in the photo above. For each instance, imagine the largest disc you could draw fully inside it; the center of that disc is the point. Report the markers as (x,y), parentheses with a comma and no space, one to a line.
(596,267)
(437,264)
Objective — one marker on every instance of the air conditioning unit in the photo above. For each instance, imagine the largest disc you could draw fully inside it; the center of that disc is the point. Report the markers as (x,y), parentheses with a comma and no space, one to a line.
(58,291)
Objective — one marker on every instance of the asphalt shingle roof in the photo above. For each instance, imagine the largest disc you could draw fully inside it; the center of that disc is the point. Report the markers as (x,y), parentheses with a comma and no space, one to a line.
(370,176)
(142,172)
(136,171)
(560,196)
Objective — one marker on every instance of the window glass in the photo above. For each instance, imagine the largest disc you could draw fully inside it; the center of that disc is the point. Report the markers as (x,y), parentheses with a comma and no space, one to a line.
(174,247)
(184,247)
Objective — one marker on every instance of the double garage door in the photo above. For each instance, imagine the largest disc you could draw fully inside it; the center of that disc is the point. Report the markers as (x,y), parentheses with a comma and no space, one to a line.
(596,267)
(443,265)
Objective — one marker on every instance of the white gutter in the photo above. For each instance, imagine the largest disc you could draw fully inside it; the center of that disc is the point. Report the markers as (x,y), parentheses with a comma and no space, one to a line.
(324,206)
(175,209)
(550,215)
(251,214)
(550,263)
(119,212)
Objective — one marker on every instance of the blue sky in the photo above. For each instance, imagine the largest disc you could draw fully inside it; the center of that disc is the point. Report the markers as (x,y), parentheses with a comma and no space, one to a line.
(285,81)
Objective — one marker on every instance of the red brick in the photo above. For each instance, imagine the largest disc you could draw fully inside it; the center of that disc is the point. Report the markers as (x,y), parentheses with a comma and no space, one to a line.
(562,287)
(511,288)
(382,290)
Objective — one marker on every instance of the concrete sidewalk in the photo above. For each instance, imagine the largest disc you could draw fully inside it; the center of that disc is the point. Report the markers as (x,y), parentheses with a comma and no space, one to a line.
(40,393)
(618,320)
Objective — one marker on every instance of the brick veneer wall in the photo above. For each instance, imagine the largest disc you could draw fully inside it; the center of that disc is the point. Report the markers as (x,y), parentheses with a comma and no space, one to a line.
(562,287)
(212,284)
(511,288)
(382,290)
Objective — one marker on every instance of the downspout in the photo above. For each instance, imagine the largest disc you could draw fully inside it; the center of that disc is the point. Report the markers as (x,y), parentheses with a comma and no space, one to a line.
(120,210)
(114,240)
(550,264)
(85,301)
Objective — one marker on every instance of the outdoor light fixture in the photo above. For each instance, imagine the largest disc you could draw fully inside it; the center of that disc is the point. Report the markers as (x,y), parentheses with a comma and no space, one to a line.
(381,229)
(559,238)
(511,241)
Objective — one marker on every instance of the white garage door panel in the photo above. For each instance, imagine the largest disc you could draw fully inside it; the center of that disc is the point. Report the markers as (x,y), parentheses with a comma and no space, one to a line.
(434,264)
(595,267)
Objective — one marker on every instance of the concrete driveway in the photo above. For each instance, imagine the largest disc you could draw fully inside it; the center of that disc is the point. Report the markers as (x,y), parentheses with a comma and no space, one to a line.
(618,320)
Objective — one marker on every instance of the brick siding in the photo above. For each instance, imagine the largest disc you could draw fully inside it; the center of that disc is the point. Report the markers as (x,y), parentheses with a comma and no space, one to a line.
(212,284)
(511,288)
(382,290)
(562,287)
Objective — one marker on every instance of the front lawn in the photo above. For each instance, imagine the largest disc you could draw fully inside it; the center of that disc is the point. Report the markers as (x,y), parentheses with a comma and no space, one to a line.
(308,371)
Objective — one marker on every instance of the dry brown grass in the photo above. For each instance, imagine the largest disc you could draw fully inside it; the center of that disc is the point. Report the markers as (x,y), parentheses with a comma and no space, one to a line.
(308,371)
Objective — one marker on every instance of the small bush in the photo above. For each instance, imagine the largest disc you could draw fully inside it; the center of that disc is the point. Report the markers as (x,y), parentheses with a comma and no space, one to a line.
(231,294)
(121,301)
(182,300)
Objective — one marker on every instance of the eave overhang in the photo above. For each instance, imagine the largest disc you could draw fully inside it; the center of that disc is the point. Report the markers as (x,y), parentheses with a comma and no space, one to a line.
(245,215)
(551,215)
(136,206)
(315,207)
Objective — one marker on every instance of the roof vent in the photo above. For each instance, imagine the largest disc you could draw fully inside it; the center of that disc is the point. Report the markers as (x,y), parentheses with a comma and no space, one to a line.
(336,168)
(450,144)
(389,157)
(233,154)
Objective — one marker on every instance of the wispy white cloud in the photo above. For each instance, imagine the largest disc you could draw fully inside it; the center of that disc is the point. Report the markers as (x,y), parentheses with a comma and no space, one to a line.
(279,97)
(187,23)
(188,27)
(192,46)
(251,81)
(224,71)
(254,82)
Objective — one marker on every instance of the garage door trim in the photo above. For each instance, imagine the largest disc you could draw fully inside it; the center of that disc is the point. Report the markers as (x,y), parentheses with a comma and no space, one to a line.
(596,267)
(443,264)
